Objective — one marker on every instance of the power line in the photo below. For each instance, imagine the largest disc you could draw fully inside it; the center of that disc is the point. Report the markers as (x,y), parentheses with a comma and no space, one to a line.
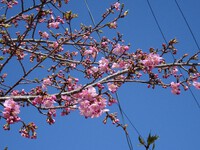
(128,139)
(195,99)
(91,17)
(122,112)
(187,24)
(195,43)
(156,21)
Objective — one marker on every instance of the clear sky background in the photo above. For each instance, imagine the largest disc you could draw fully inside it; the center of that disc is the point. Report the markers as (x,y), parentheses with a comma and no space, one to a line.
(176,119)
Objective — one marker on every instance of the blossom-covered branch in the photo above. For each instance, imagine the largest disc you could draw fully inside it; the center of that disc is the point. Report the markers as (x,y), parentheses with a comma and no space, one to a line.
(63,69)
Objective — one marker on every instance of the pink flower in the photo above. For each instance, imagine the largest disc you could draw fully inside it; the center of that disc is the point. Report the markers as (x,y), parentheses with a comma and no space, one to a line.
(112,87)
(115,65)
(91,104)
(38,100)
(103,64)
(11,111)
(92,51)
(4,75)
(93,108)
(111,102)
(46,82)
(66,1)
(117,6)
(54,25)
(49,101)
(113,25)
(104,44)
(28,131)
(45,35)
(120,49)
(55,45)
(121,64)
(152,60)
(89,93)
(196,85)
(94,69)
(51,113)
(45,101)
(174,70)
(60,20)
(15,92)
(175,88)
(10,3)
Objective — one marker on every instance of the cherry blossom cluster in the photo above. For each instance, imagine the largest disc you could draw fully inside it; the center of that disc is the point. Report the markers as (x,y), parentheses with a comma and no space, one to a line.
(9,3)
(11,111)
(91,104)
(28,131)
(175,88)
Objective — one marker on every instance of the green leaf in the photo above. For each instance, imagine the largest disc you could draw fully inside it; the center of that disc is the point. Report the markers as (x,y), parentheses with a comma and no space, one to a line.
(100,31)
(151,139)
(141,140)
(122,5)
(68,15)
(37,80)
(1,58)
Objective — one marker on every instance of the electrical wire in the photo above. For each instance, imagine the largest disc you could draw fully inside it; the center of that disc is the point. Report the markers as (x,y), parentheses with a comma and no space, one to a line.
(194,97)
(122,112)
(196,101)
(187,24)
(128,139)
(91,17)
(158,25)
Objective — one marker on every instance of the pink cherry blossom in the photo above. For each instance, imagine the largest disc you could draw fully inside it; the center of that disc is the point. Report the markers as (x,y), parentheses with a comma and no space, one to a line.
(115,65)
(10,3)
(175,88)
(111,102)
(113,25)
(112,87)
(196,85)
(60,20)
(93,108)
(54,25)
(117,6)
(55,45)
(120,49)
(89,93)
(104,44)
(103,64)
(91,104)
(11,110)
(174,70)
(94,69)
(66,1)
(152,60)
(4,75)
(93,51)
(45,101)
(45,35)
(46,82)
(38,100)
(28,131)
(49,101)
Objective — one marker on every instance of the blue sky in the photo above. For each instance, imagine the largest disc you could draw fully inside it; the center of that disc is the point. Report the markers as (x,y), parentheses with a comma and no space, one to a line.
(174,118)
